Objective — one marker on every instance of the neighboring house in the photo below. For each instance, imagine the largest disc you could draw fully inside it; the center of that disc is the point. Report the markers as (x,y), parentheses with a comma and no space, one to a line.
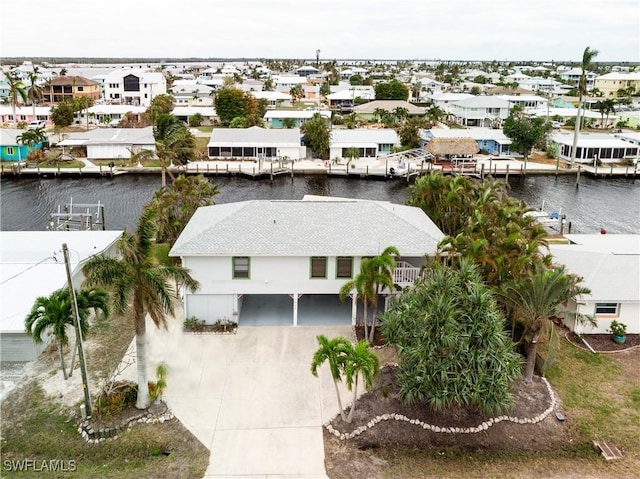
(184,112)
(610,267)
(262,259)
(365,111)
(525,101)
(344,100)
(275,99)
(255,143)
(32,265)
(63,88)
(610,83)
(276,118)
(446,99)
(572,77)
(491,140)
(134,87)
(11,150)
(111,143)
(24,114)
(307,70)
(371,142)
(547,85)
(190,93)
(109,114)
(594,146)
(484,111)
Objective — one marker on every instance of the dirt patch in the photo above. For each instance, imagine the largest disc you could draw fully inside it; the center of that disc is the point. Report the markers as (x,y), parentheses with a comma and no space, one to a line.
(383,398)
(604,343)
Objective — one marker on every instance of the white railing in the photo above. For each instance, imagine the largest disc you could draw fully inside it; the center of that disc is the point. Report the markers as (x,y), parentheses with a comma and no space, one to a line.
(405,273)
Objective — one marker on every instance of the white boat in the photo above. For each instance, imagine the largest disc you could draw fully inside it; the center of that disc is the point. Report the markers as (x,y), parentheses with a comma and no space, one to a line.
(553,220)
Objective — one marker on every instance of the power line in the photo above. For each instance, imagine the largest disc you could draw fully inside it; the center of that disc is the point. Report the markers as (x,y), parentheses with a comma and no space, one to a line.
(30,267)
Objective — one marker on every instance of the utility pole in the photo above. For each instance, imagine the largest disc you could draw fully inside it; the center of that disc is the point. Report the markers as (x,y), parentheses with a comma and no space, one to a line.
(76,323)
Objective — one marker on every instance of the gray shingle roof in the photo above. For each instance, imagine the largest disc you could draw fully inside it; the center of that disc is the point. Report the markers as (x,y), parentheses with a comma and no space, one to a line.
(307,228)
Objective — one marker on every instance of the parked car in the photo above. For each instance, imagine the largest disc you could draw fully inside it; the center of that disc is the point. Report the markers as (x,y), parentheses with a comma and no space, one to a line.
(37,124)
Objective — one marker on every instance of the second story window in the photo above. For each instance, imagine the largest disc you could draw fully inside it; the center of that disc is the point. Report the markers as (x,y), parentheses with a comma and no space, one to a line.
(240,267)
(318,267)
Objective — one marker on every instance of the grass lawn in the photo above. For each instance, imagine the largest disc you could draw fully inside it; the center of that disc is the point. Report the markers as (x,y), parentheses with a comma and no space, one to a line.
(600,397)
(40,428)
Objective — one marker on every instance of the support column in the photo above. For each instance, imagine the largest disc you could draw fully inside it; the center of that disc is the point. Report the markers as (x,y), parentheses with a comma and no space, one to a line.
(354,308)
(295,297)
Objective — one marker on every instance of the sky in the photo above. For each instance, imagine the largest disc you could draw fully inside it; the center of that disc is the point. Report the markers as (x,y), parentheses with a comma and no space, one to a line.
(483,30)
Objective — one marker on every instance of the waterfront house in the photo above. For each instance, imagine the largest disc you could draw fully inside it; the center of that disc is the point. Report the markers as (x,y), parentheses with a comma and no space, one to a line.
(610,267)
(32,265)
(490,140)
(594,147)
(278,118)
(110,143)
(371,142)
(264,262)
(13,150)
(255,143)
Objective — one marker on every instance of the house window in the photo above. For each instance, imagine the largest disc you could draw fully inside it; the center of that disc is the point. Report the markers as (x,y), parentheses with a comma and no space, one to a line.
(344,267)
(609,309)
(10,151)
(240,267)
(318,267)
(80,88)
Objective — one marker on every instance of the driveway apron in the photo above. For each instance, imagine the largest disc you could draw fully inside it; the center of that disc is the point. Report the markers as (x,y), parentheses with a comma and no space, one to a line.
(250,397)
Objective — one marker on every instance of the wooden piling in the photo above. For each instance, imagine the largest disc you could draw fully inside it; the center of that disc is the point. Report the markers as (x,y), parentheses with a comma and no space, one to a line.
(507,174)
(578,177)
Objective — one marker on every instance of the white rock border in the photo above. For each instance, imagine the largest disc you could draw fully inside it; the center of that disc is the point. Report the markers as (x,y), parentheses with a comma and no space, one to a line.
(446,430)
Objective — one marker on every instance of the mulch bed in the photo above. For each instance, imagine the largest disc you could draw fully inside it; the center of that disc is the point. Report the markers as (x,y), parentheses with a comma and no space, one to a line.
(603,342)
(383,398)
(378,339)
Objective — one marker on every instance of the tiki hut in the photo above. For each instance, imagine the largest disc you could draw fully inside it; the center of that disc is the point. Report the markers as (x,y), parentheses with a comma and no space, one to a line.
(451,147)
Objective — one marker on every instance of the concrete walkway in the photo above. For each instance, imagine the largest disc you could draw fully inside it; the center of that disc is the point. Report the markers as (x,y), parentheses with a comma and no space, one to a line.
(250,397)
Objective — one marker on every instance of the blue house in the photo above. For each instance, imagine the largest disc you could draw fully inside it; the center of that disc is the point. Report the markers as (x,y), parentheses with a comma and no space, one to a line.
(11,150)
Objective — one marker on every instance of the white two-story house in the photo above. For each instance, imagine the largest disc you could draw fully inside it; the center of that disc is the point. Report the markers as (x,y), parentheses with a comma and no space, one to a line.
(263,262)
(133,87)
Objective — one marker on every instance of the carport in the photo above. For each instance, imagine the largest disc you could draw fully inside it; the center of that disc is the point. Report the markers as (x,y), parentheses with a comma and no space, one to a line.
(278,310)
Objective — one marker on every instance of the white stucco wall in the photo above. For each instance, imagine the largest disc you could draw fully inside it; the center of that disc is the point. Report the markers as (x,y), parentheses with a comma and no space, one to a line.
(268,275)
(628,313)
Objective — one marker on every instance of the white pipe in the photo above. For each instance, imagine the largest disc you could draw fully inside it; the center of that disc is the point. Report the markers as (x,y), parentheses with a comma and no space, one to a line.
(588,345)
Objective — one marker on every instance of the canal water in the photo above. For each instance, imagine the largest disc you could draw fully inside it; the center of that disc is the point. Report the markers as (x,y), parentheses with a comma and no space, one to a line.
(25,203)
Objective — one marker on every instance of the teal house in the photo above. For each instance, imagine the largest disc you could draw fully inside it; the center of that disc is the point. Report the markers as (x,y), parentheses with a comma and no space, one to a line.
(11,150)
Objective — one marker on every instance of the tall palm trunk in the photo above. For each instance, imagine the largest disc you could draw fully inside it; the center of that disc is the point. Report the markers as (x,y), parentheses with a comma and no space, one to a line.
(163,168)
(374,316)
(143,399)
(531,350)
(335,383)
(366,319)
(355,397)
(64,369)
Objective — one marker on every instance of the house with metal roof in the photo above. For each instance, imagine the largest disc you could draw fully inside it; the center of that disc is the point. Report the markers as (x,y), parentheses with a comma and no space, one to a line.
(366,110)
(111,143)
(32,265)
(11,148)
(278,118)
(264,262)
(490,140)
(610,267)
(255,143)
(372,142)
(594,147)
(485,111)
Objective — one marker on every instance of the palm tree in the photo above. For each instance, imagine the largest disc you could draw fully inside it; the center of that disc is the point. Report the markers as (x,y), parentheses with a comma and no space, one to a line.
(587,57)
(375,274)
(34,93)
(360,360)
(54,313)
(534,298)
(351,153)
(17,93)
(401,113)
(379,114)
(173,142)
(334,351)
(135,278)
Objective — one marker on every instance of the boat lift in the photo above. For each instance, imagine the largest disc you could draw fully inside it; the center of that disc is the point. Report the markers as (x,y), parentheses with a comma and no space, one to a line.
(78,217)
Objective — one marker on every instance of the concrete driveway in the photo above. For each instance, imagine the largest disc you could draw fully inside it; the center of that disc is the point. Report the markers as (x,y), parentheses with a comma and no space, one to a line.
(250,397)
